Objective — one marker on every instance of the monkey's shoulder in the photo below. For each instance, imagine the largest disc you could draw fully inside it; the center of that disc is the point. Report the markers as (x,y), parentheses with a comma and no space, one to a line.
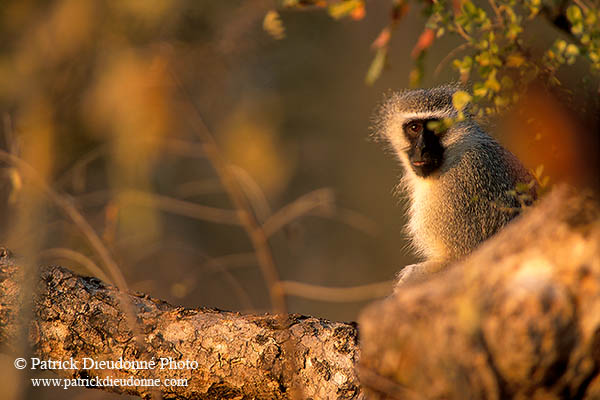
(486,169)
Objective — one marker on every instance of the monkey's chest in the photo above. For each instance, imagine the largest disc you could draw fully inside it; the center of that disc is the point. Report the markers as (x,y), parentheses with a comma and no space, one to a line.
(444,228)
(430,223)
(449,227)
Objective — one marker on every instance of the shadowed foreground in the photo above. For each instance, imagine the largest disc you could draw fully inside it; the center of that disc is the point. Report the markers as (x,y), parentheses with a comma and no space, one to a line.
(520,318)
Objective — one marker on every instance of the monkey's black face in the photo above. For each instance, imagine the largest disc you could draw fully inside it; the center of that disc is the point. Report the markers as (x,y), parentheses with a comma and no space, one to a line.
(425,152)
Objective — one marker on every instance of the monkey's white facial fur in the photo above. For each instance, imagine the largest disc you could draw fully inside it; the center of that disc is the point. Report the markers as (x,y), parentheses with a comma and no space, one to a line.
(404,121)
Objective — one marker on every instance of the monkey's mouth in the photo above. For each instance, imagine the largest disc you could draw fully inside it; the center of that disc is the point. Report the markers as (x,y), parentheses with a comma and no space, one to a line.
(426,167)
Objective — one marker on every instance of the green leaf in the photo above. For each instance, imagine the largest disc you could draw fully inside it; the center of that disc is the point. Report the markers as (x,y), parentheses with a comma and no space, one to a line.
(506,82)
(492,83)
(439,126)
(572,50)
(574,14)
(501,101)
(515,60)
(344,8)
(484,58)
(522,187)
(273,26)
(460,99)
(585,39)
(591,19)
(469,8)
(513,31)
(539,171)
(376,66)
(545,181)
(479,90)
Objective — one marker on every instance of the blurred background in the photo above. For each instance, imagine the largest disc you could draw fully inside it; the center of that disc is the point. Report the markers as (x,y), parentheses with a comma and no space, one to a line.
(97,95)
(109,102)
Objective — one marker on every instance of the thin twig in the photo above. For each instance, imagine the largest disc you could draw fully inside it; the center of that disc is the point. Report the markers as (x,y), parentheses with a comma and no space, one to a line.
(198,187)
(80,164)
(219,265)
(230,261)
(86,230)
(165,203)
(449,56)
(79,258)
(239,290)
(182,147)
(318,203)
(357,221)
(93,199)
(255,195)
(253,228)
(581,4)
(496,10)
(177,146)
(337,294)
(317,199)
(182,207)
(73,214)
(461,32)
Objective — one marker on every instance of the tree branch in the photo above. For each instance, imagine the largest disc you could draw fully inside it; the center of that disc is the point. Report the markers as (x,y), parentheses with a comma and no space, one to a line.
(519,318)
(237,355)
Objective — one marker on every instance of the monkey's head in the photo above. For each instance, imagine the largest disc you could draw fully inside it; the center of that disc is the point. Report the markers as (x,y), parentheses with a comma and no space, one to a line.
(413,122)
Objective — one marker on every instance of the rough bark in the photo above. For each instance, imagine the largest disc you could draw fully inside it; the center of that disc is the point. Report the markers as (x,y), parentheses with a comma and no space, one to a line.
(520,318)
(239,356)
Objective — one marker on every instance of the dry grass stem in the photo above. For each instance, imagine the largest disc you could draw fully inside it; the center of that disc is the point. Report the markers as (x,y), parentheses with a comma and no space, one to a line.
(198,188)
(255,195)
(182,207)
(337,294)
(73,214)
(79,258)
(65,205)
(320,199)
(230,261)
(357,221)
(76,173)
(232,186)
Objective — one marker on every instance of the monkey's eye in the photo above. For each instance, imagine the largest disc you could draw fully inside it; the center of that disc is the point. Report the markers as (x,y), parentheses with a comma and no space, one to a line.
(415,128)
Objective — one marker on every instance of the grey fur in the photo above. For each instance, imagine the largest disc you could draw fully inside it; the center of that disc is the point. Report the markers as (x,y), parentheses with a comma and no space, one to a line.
(466,201)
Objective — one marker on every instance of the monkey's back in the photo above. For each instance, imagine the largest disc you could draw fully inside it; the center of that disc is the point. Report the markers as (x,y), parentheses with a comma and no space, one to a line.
(470,201)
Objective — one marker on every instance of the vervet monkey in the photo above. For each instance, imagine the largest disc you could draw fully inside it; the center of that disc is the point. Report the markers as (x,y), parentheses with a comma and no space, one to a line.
(461,183)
